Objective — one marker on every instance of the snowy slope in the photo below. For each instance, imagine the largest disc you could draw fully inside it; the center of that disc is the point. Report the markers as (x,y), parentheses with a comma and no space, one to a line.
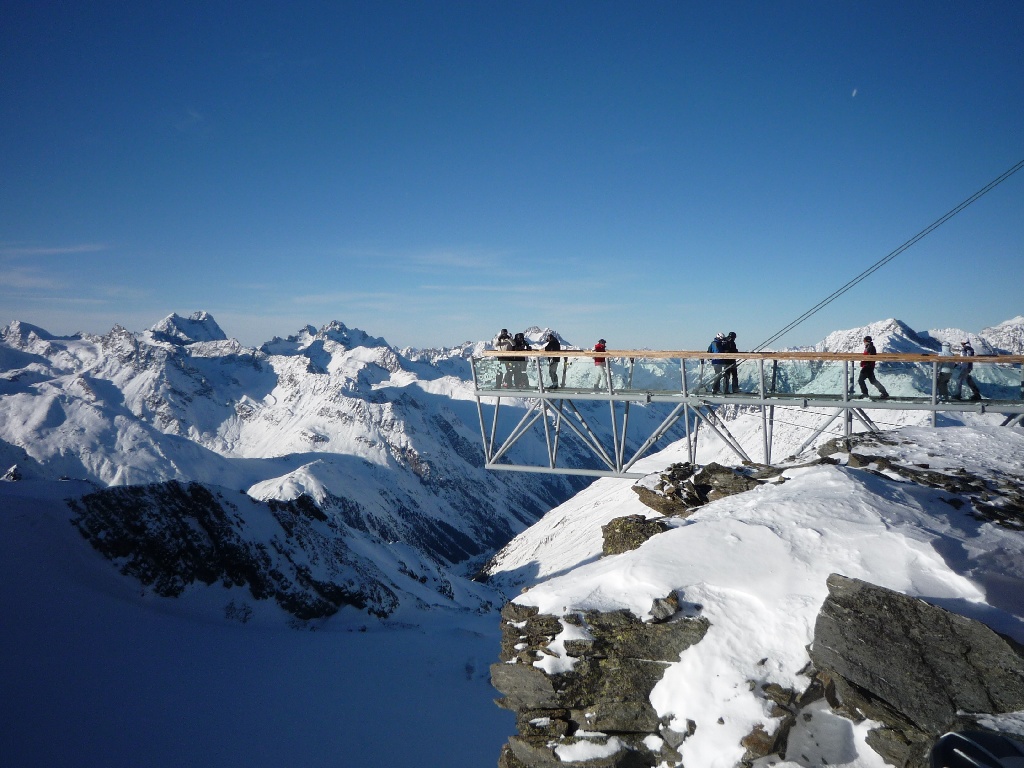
(755,566)
(97,675)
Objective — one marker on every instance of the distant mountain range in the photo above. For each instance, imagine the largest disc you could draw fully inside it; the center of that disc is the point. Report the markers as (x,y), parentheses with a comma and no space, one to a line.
(323,470)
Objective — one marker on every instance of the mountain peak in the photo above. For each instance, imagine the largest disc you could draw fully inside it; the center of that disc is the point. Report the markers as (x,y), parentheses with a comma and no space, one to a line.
(19,333)
(199,326)
(349,337)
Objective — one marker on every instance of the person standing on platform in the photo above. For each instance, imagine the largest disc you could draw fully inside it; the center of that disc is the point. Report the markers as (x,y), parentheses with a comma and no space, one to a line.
(966,350)
(519,378)
(602,365)
(731,374)
(867,371)
(717,347)
(504,375)
(553,346)
(945,373)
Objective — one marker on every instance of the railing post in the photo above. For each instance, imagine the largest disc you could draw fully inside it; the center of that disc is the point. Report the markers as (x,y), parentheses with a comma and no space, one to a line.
(764,413)
(847,386)
(686,410)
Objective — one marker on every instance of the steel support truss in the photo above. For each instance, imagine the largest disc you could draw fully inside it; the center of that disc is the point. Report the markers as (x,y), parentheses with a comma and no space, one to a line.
(556,408)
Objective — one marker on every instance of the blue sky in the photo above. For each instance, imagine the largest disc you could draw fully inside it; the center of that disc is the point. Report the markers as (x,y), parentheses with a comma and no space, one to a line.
(430,172)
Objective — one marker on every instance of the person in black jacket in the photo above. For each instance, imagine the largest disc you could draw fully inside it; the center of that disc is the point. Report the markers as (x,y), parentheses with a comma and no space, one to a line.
(731,374)
(867,371)
(519,377)
(553,346)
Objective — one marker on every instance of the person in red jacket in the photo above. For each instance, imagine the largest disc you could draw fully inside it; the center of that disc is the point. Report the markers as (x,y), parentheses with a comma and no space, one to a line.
(602,365)
(867,371)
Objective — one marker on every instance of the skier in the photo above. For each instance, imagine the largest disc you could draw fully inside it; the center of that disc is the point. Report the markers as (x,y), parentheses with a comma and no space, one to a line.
(966,350)
(602,365)
(553,346)
(867,372)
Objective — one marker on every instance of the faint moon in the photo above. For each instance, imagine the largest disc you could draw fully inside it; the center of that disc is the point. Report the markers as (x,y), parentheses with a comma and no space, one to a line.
(854,94)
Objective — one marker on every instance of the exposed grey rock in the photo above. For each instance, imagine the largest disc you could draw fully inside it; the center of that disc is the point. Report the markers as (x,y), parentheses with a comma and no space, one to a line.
(525,687)
(624,534)
(681,488)
(911,665)
(607,691)
(664,608)
(721,481)
(670,493)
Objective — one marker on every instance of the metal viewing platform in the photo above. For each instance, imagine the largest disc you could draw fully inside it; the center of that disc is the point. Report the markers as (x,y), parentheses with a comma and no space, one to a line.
(559,391)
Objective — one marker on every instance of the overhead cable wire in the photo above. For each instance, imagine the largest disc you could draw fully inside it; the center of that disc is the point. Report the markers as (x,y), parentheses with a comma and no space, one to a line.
(882,262)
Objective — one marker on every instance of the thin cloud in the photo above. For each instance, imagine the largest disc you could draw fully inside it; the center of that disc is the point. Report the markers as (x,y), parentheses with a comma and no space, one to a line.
(14,251)
(28,280)
(344,298)
(468,260)
(482,288)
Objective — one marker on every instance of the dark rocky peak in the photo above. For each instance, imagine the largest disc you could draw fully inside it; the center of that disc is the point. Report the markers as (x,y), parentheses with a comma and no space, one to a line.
(199,326)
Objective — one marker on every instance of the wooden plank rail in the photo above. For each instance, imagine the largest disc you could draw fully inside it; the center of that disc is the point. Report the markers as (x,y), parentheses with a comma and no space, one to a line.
(656,354)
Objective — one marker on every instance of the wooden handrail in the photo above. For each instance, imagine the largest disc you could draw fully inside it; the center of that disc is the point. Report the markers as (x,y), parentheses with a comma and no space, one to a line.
(888,357)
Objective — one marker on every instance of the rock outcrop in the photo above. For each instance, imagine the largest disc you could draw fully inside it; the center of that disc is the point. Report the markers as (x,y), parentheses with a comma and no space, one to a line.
(624,534)
(593,708)
(681,488)
(912,666)
(172,535)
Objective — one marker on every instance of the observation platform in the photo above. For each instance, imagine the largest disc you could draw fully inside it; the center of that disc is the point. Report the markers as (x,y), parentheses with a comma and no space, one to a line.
(561,399)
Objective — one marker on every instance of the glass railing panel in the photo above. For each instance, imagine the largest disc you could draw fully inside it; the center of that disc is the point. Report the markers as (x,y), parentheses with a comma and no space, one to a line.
(797,378)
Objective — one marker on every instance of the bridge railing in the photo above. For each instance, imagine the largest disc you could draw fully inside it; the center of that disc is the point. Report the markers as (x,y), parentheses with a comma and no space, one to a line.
(772,374)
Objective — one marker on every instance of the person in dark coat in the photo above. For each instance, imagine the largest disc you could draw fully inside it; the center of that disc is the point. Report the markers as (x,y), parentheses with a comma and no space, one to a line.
(731,374)
(519,378)
(553,346)
(867,371)
(717,347)
(966,350)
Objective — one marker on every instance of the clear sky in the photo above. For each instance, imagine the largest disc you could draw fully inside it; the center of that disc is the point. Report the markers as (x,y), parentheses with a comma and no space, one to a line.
(649,172)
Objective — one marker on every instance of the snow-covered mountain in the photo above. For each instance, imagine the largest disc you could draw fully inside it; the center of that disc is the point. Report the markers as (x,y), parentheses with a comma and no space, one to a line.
(385,443)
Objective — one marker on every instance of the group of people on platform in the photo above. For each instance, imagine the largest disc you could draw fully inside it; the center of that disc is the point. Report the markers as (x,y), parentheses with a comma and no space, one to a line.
(943,376)
(725,368)
(512,373)
(946,369)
